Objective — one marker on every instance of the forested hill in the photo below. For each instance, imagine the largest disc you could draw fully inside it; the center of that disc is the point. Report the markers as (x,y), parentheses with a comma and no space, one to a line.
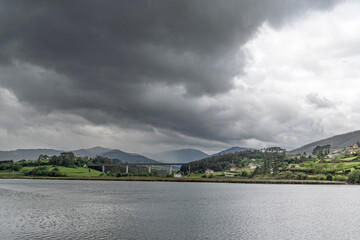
(338,141)
(233,150)
(225,161)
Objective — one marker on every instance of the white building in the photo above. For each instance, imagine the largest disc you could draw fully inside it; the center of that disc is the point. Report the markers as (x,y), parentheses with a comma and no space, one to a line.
(177,175)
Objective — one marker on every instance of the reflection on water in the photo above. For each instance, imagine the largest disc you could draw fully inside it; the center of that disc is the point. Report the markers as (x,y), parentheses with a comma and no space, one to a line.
(45,209)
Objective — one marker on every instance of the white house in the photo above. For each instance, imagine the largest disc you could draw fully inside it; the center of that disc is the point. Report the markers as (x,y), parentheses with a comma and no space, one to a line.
(177,175)
(209,171)
(252,166)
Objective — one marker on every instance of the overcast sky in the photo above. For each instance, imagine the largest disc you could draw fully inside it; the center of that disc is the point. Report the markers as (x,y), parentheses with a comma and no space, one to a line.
(149,76)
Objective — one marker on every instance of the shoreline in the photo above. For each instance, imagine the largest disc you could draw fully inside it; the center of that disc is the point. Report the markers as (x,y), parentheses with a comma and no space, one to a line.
(185,179)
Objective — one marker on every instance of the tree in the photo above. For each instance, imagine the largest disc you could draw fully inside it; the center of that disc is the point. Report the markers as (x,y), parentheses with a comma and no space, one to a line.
(67,158)
(329,177)
(322,151)
(354,176)
(273,159)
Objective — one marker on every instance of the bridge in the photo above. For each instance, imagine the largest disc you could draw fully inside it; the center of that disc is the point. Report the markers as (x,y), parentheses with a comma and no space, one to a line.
(149,165)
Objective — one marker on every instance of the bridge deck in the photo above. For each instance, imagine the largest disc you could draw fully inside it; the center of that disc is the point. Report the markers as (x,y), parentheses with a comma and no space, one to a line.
(133,164)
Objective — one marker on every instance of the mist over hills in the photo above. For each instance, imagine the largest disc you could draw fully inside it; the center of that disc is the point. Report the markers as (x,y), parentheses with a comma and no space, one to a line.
(189,155)
(27,154)
(91,152)
(174,156)
(127,157)
(338,141)
(179,156)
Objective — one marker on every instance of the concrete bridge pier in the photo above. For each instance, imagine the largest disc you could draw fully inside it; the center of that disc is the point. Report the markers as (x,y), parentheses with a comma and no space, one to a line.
(170,169)
(149,168)
(127,168)
(103,168)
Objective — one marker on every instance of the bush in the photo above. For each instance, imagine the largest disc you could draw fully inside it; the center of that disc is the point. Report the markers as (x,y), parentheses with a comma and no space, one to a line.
(288,175)
(211,176)
(338,178)
(16,167)
(329,177)
(318,177)
(301,176)
(244,174)
(354,177)
(204,176)
(44,171)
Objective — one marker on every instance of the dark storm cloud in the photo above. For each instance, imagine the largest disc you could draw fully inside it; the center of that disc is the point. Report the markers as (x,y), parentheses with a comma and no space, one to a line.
(100,59)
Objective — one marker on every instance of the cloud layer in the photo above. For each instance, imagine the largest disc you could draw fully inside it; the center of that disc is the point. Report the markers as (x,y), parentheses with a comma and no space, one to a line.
(167,73)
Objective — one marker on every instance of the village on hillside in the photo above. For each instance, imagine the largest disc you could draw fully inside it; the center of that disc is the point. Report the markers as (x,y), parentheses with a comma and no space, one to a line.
(323,163)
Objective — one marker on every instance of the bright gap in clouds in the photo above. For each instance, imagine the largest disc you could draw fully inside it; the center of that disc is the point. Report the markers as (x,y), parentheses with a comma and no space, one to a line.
(311,69)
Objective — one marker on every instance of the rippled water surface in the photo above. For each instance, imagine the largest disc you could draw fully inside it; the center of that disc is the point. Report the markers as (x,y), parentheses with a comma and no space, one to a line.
(45,209)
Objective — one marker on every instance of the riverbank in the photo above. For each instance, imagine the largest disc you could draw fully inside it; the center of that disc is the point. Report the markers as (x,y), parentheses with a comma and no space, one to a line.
(184,179)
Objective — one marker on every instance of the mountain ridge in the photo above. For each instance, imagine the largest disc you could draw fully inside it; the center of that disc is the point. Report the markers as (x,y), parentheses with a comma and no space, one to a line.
(33,154)
(232,150)
(336,141)
(127,157)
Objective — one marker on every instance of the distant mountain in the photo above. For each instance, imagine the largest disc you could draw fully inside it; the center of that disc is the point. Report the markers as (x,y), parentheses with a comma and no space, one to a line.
(27,154)
(127,157)
(232,150)
(33,154)
(91,152)
(338,141)
(180,156)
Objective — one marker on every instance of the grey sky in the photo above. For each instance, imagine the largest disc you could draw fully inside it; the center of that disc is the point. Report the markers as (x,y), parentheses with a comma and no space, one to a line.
(148,76)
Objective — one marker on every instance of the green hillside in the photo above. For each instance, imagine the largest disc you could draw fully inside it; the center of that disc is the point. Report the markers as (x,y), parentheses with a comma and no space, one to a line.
(338,141)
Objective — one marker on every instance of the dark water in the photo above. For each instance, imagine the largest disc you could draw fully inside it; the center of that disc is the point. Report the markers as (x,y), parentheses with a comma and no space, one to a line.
(43,209)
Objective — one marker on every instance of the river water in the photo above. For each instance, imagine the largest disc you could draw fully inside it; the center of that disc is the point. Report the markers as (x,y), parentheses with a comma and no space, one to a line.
(51,209)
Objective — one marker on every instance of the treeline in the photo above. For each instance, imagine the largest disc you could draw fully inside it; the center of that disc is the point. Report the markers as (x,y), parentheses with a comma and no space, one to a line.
(274,155)
(16,166)
(225,161)
(45,171)
(218,163)
(68,159)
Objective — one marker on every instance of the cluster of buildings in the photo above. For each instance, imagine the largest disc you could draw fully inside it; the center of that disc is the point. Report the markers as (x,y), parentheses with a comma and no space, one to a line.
(251,166)
(352,150)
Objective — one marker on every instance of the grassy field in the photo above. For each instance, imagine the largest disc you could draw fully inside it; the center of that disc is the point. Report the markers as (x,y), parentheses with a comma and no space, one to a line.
(9,174)
(351,164)
(348,159)
(70,171)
